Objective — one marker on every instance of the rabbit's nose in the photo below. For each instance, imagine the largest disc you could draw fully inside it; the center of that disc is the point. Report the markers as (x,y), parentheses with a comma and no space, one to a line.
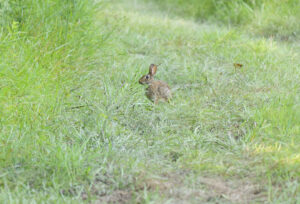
(142,80)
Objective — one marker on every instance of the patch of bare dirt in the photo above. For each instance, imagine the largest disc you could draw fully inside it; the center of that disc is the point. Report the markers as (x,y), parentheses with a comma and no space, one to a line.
(175,188)
(206,189)
(118,196)
(234,191)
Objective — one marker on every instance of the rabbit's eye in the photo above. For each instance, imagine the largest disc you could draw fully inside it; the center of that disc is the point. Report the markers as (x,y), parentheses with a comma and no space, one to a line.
(147,76)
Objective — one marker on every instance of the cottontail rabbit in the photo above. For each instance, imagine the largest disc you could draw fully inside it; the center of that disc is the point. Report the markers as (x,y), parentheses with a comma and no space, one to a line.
(157,90)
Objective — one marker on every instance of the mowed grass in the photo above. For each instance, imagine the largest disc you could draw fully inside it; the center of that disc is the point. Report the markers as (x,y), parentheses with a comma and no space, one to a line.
(75,124)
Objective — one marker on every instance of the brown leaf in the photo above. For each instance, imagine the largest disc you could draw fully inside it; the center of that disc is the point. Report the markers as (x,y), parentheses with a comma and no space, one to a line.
(237,65)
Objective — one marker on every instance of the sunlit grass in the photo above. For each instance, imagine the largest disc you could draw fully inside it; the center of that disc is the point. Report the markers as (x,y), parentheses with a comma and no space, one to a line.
(75,123)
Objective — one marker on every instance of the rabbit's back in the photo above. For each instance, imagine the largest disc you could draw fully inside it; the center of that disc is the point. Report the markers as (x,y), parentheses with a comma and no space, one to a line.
(158,90)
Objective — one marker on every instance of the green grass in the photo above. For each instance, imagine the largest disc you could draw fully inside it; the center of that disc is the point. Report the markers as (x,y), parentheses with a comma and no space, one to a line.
(75,124)
(269,18)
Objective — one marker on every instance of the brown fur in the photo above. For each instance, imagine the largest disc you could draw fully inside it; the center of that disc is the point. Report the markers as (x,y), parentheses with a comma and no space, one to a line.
(157,90)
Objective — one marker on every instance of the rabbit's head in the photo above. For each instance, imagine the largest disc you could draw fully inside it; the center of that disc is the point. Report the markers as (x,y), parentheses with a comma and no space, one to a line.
(148,78)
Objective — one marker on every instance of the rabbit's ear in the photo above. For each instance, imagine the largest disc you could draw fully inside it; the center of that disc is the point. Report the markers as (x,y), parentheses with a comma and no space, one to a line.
(152,69)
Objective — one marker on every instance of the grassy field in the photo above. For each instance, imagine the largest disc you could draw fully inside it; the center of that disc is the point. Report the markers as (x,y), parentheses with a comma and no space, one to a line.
(76,125)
